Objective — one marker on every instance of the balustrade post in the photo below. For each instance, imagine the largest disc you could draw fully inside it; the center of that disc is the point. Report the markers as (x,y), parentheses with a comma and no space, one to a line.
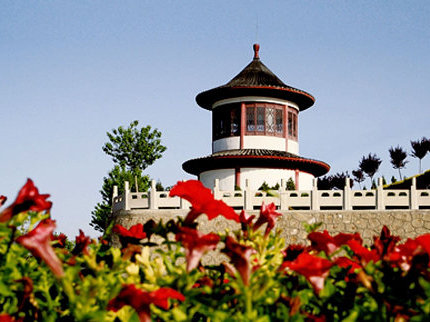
(283,196)
(114,193)
(380,202)
(248,196)
(315,205)
(153,202)
(126,195)
(347,195)
(413,195)
(283,185)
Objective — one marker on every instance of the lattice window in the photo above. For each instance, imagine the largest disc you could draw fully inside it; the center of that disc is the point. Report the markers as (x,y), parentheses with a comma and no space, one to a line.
(292,124)
(264,119)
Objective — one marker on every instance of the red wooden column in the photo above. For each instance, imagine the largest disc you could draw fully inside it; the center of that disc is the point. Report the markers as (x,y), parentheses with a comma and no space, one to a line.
(296,181)
(285,120)
(237,177)
(242,123)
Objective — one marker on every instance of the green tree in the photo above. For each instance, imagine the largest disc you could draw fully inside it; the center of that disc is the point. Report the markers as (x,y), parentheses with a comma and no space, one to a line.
(101,215)
(290,184)
(132,149)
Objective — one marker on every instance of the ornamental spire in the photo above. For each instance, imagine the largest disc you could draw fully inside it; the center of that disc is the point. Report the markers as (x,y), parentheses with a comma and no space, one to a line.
(256,50)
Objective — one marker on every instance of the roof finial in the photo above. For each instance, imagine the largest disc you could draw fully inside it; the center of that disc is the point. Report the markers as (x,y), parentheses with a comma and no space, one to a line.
(256,49)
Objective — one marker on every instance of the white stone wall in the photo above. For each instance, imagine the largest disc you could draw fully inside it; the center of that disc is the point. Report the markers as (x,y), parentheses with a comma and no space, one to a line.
(230,143)
(263,142)
(256,176)
(293,147)
(225,176)
(305,181)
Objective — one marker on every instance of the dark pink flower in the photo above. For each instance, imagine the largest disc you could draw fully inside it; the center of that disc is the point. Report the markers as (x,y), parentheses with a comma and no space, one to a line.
(81,244)
(245,221)
(385,243)
(268,215)
(314,268)
(38,242)
(28,199)
(329,244)
(239,255)
(195,244)
(140,300)
(202,201)
(364,254)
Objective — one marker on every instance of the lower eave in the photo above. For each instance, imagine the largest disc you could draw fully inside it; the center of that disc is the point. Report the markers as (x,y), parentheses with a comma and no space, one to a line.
(197,166)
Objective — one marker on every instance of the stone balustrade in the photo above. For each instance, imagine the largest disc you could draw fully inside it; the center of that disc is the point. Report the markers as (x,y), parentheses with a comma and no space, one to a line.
(346,199)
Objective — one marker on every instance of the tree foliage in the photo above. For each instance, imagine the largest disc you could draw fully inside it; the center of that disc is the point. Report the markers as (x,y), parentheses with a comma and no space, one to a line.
(133,148)
(335,181)
(420,149)
(358,176)
(370,165)
(398,158)
(290,184)
(116,177)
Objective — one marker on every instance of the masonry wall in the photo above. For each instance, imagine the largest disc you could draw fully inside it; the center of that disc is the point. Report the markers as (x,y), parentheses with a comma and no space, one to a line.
(404,223)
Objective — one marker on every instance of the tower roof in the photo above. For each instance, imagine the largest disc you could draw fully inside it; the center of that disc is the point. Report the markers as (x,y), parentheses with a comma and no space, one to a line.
(255,158)
(255,80)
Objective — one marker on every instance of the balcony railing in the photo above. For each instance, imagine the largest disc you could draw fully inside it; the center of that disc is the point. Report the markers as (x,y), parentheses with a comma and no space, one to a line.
(346,199)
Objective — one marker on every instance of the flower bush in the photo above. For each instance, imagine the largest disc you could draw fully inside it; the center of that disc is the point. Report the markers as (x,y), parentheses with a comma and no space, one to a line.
(44,277)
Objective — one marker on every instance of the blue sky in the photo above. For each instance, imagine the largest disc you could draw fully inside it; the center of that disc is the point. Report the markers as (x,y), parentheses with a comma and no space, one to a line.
(71,71)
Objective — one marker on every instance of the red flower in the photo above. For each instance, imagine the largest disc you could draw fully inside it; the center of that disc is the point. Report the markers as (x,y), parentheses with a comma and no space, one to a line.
(424,241)
(4,317)
(195,244)
(365,255)
(28,199)
(329,244)
(60,239)
(202,201)
(130,236)
(268,215)
(140,300)
(345,262)
(239,255)
(314,268)
(81,244)
(135,231)
(2,200)
(403,254)
(292,252)
(38,242)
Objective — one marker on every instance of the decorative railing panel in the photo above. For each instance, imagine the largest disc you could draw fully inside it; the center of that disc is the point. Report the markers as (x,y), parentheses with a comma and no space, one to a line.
(346,199)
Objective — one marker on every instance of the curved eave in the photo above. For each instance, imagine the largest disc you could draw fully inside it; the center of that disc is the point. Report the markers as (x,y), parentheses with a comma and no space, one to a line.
(207,98)
(197,166)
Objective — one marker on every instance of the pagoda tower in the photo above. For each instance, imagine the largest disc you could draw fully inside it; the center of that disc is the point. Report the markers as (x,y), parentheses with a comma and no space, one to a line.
(255,132)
